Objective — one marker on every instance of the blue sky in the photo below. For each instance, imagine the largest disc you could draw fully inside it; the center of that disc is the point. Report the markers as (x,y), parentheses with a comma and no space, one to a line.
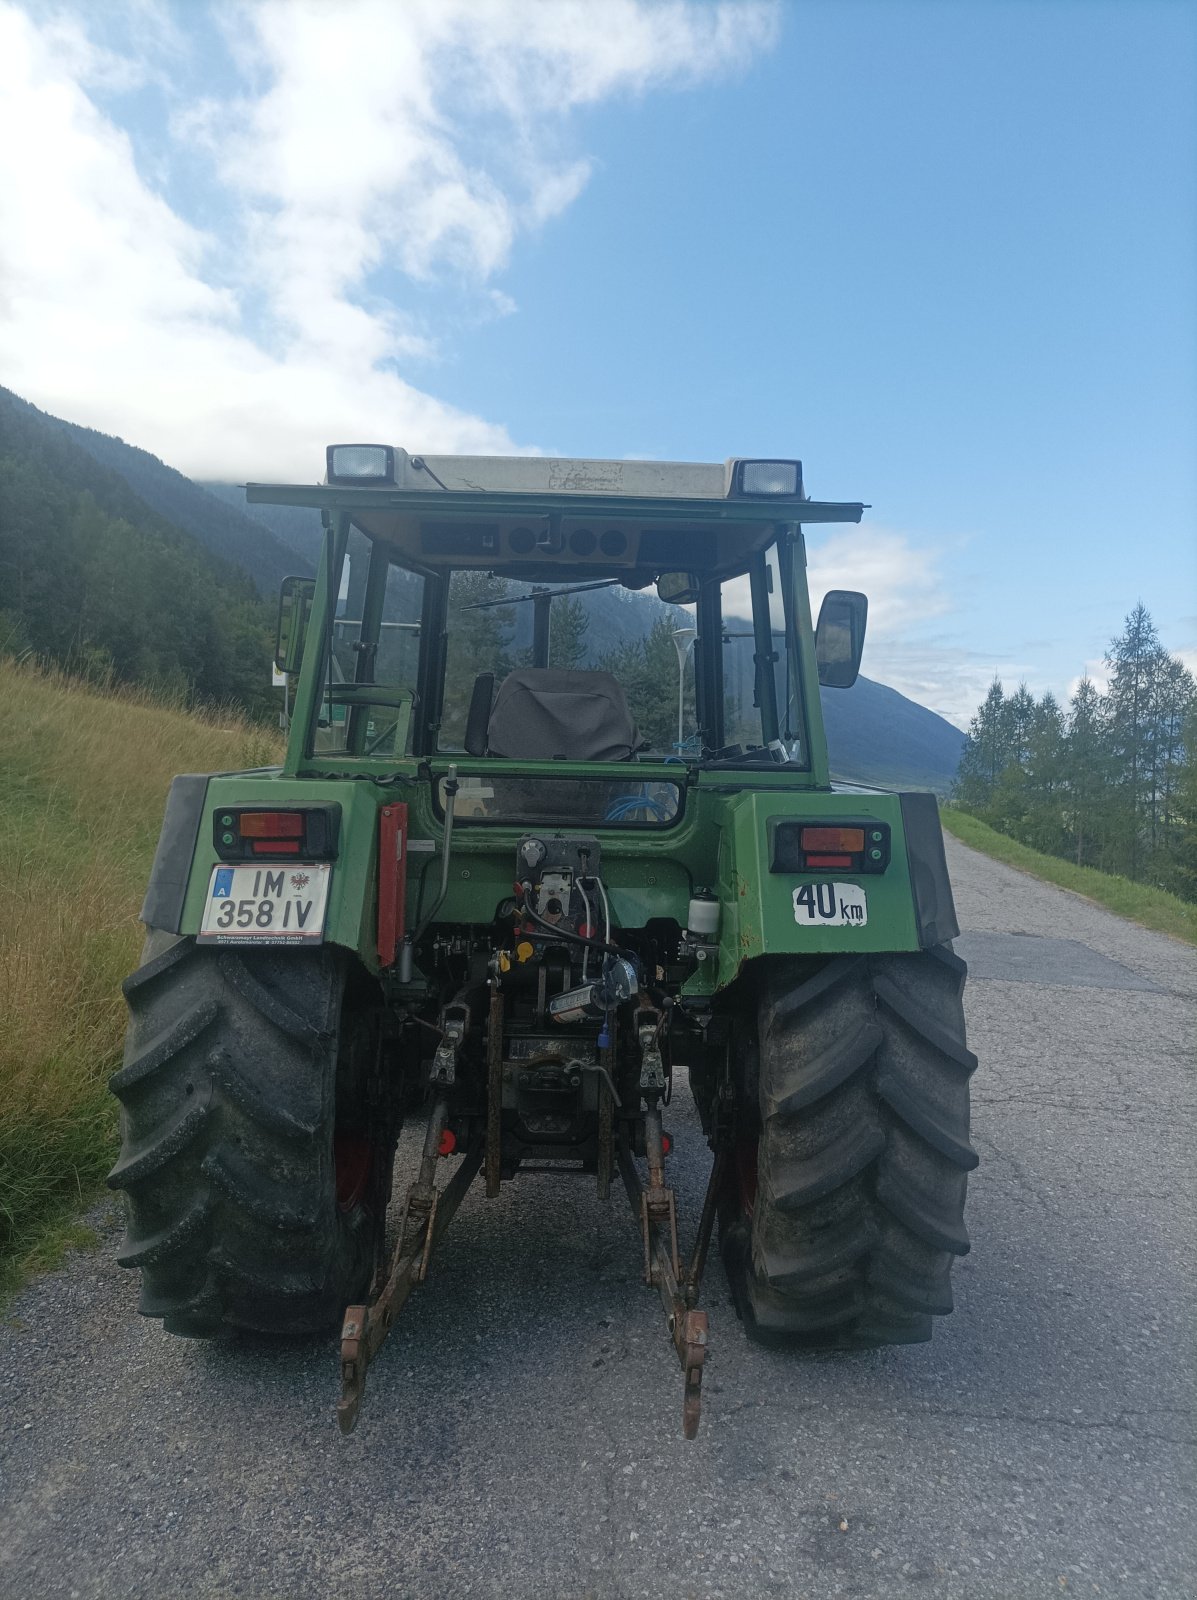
(946,253)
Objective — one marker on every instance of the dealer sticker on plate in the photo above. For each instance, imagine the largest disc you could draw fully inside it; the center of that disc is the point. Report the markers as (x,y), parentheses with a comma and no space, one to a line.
(830,905)
(266,904)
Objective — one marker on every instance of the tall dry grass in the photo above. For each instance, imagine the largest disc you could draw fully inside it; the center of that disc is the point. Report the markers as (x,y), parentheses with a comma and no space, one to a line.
(84,775)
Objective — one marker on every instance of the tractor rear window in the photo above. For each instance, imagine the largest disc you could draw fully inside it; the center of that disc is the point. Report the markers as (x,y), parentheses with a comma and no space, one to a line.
(602,627)
(549,802)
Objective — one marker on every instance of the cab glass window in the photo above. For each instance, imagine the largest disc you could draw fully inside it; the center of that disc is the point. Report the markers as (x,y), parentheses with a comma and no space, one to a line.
(762,701)
(367,709)
(642,642)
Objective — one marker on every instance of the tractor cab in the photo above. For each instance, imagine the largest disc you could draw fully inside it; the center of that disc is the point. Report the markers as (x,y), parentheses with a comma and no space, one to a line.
(613,614)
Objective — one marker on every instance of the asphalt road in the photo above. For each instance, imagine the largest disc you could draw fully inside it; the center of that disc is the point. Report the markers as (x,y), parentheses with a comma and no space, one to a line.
(521,1430)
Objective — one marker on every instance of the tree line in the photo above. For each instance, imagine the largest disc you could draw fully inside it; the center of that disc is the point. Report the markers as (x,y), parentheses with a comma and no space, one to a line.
(1110,781)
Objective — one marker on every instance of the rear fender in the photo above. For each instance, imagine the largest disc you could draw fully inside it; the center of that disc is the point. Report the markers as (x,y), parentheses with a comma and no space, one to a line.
(908,906)
(352,897)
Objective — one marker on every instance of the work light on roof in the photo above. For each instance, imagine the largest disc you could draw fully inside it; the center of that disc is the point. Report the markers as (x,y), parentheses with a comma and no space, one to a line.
(767,478)
(361,463)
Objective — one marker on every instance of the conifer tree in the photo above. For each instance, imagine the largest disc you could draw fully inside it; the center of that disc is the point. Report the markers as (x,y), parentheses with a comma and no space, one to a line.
(1044,825)
(480,633)
(1085,771)
(567,633)
(1184,808)
(986,749)
(1135,660)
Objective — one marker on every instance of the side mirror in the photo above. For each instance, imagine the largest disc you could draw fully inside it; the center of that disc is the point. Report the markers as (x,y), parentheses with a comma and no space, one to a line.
(294,609)
(677,588)
(839,637)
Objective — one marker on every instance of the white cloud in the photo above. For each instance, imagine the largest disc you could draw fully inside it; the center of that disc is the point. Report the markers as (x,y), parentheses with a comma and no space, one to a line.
(909,642)
(900,577)
(345,150)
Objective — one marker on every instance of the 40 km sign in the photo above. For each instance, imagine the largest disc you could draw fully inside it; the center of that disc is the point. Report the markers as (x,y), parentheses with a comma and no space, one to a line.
(830,905)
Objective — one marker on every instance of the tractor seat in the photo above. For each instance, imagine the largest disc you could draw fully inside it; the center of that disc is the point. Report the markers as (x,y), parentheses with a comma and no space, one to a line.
(544,714)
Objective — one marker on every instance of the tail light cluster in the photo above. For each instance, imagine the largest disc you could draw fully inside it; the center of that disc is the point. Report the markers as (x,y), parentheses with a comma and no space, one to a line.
(856,845)
(250,833)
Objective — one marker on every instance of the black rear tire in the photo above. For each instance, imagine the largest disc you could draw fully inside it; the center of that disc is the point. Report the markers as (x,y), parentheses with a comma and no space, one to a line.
(241,1067)
(846,1232)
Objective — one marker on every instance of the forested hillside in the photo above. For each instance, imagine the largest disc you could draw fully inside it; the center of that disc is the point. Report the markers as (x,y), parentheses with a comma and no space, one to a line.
(95,580)
(218,522)
(1111,781)
(297,528)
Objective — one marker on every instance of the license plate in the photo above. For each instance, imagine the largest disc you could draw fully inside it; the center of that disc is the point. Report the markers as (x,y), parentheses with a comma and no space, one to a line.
(266,904)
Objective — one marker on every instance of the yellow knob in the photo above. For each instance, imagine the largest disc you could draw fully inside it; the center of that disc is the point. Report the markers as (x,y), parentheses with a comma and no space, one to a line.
(524,951)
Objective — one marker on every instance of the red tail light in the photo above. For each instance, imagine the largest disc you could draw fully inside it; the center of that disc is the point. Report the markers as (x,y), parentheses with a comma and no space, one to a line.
(247,833)
(839,841)
(272,824)
(858,845)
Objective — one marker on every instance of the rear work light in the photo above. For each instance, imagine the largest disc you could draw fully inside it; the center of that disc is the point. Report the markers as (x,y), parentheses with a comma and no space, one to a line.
(360,463)
(763,479)
(859,845)
(244,833)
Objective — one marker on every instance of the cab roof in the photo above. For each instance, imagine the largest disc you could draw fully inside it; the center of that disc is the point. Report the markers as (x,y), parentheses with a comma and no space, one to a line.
(537,515)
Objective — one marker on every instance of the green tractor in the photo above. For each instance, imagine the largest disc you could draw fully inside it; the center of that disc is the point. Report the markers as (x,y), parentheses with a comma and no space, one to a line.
(529,856)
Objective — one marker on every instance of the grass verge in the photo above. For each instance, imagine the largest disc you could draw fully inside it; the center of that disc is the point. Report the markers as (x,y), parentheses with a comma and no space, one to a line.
(1152,908)
(83,782)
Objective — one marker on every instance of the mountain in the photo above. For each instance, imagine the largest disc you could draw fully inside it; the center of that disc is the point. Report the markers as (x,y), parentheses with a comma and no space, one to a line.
(95,579)
(877,736)
(224,531)
(297,527)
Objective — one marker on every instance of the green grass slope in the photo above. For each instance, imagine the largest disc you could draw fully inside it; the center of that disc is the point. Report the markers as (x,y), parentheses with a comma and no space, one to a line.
(1139,902)
(83,782)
